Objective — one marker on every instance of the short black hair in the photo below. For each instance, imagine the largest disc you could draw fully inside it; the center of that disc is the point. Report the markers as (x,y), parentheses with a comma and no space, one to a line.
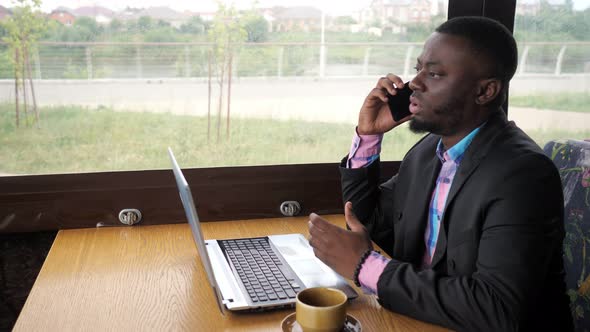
(488,38)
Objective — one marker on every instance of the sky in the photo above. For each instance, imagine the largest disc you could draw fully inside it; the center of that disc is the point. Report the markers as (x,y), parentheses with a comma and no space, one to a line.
(331,7)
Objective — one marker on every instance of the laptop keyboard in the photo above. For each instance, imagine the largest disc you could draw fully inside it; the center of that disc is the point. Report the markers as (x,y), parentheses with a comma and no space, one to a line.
(264,275)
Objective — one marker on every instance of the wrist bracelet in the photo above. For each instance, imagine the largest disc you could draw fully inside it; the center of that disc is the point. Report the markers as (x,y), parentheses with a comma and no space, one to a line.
(359,265)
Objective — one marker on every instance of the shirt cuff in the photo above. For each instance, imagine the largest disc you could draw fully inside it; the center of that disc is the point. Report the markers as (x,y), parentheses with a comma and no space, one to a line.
(371,271)
(364,150)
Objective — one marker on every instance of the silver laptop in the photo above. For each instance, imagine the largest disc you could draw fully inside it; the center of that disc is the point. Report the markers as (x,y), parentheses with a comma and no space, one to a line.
(257,273)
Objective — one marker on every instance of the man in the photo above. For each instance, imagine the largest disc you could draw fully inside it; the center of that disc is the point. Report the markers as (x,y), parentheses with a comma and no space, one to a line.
(473,220)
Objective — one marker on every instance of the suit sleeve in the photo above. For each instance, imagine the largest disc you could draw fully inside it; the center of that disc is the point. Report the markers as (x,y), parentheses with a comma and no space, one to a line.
(521,233)
(372,203)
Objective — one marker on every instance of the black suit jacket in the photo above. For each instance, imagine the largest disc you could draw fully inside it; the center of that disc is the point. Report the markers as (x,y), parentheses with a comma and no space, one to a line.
(498,260)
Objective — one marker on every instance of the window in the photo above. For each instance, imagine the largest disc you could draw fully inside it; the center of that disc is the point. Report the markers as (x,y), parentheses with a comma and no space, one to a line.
(121,84)
(118,65)
(550,95)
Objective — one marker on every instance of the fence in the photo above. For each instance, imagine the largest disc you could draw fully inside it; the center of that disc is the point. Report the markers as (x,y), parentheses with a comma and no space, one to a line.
(54,60)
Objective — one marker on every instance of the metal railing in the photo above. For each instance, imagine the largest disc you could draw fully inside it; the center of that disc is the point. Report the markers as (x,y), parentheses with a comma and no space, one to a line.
(110,60)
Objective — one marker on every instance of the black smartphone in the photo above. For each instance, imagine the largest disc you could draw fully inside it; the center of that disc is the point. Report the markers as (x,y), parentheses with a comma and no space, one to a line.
(399,105)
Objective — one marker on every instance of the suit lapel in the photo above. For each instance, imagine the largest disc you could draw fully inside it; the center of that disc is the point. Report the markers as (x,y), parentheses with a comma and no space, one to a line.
(474,154)
(468,165)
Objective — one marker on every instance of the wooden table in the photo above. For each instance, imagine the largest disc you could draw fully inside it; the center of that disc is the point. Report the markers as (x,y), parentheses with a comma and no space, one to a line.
(149,278)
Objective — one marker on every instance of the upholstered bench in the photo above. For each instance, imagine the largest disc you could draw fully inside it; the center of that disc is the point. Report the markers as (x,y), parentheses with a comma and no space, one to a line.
(572,158)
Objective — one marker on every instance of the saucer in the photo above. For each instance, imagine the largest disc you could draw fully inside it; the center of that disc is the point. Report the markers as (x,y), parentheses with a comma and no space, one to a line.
(289,324)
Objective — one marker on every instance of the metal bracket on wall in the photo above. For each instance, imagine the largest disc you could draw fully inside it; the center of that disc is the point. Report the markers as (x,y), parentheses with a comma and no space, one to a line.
(290,208)
(130,216)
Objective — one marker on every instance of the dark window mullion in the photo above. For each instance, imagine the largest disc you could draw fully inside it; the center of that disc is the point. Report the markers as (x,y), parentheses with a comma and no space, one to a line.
(500,10)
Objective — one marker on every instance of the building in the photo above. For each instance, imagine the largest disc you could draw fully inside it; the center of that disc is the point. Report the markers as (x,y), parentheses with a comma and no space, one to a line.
(165,14)
(100,14)
(401,11)
(396,15)
(63,16)
(207,16)
(295,19)
(4,13)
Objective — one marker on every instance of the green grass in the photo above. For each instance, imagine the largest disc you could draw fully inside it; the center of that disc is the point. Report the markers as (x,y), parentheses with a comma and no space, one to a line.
(75,139)
(572,102)
(542,136)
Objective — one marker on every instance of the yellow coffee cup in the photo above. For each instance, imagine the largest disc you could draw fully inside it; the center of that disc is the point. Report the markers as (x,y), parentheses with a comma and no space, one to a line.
(321,309)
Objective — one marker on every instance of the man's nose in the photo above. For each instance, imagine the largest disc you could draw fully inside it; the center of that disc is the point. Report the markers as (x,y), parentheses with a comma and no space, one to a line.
(416,83)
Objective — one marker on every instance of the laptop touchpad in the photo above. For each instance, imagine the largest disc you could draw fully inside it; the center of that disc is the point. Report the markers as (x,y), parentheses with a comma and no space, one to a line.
(299,254)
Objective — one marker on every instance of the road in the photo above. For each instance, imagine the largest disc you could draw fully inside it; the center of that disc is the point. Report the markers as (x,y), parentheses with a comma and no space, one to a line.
(329,100)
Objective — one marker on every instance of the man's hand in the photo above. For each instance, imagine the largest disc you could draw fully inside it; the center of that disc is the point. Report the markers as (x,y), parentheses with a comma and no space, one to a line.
(339,248)
(375,116)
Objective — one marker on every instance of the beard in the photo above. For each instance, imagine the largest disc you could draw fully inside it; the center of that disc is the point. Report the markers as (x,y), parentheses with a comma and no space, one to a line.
(444,120)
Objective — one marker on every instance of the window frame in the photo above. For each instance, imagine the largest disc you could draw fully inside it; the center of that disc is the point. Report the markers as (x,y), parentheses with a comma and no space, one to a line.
(33,203)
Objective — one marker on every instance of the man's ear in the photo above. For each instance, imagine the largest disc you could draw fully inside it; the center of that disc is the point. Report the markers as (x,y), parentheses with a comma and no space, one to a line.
(488,90)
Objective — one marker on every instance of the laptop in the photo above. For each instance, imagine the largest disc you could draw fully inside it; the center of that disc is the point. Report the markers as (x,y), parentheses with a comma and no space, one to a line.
(256,274)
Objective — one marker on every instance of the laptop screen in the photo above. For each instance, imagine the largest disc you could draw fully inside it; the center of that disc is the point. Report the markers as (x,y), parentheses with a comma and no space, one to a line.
(193,220)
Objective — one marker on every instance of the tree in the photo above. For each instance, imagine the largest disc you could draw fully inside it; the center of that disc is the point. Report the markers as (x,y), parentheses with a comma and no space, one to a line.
(160,34)
(86,29)
(553,23)
(581,25)
(3,31)
(163,24)
(256,27)
(344,20)
(88,23)
(52,31)
(145,23)
(24,28)
(226,33)
(375,23)
(115,25)
(194,25)
(569,5)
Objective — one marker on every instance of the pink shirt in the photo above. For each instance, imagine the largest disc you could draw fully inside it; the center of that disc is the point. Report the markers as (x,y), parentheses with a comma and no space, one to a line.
(364,150)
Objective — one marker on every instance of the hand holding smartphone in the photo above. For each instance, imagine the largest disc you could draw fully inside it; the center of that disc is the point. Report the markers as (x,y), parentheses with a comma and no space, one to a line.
(399,105)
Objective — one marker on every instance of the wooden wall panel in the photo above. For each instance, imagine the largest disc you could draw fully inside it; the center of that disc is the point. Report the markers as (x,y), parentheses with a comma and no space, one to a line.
(51,202)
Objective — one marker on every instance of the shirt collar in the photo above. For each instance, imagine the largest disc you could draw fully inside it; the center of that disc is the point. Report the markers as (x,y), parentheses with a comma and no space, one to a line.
(456,152)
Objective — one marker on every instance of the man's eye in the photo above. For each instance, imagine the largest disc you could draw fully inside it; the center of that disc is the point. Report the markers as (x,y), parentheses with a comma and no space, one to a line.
(434,75)
(417,68)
